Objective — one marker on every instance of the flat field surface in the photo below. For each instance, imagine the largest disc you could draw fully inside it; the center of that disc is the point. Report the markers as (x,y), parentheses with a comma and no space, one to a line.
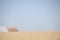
(30,36)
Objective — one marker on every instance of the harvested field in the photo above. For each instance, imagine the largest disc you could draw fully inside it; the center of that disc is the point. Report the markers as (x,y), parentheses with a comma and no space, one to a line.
(30,36)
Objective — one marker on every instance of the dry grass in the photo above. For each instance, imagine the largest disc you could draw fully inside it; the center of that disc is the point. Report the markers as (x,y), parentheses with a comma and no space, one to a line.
(30,36)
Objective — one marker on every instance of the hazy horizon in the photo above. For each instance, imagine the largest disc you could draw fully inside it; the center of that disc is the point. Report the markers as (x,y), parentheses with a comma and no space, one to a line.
(31,15)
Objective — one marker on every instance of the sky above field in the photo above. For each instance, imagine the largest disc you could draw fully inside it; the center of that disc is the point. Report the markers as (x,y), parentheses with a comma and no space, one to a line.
(31,15)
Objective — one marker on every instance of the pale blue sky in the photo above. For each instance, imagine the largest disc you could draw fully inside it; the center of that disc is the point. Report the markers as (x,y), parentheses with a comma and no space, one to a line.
(31,15)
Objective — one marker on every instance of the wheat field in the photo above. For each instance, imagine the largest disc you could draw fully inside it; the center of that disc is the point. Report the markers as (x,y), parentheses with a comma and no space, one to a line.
(30,36)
